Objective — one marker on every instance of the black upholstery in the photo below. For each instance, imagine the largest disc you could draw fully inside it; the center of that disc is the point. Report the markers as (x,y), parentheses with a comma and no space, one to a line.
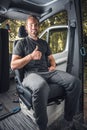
(24,93)
(22,31)
(4,60)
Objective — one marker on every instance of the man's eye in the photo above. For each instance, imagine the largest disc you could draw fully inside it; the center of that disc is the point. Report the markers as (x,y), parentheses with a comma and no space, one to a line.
(34,25)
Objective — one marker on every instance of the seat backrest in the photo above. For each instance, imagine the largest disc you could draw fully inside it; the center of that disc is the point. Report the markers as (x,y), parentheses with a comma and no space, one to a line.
(20,74)
(21,34)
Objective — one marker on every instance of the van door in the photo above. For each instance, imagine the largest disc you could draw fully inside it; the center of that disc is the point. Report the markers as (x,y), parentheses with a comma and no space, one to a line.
(58,39)
(71,58)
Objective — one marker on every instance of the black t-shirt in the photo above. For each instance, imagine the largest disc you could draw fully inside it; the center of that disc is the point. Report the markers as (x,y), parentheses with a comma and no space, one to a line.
(26,46)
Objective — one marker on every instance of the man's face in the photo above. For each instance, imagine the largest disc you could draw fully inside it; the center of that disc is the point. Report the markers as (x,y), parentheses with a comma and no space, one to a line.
(32,27)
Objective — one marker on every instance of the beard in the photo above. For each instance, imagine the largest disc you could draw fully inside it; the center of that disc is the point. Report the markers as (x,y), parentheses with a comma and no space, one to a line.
(34,33)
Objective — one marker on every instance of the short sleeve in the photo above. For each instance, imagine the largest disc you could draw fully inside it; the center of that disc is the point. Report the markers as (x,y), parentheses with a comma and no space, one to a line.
(48,52)
(18,48)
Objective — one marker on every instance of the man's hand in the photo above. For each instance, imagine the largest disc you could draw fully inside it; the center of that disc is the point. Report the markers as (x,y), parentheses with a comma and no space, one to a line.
(51,68)
(36,55)
(52,63)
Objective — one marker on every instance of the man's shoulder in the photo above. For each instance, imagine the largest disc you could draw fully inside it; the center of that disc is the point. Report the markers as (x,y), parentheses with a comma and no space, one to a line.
(42,40)
(20,42)
(23,41)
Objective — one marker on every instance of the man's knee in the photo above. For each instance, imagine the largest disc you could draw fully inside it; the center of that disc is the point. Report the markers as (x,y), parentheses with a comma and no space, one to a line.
(42,88)
(40,94)
(34,81)
(38,84)
(76,84)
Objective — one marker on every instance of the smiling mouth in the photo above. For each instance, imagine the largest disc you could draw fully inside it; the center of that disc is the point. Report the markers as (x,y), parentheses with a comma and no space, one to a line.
(34,31)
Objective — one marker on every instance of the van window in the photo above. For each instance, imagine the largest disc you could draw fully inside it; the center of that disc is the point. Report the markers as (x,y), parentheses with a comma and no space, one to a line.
(60,18)
(56,36)
(44,36)
(57,39)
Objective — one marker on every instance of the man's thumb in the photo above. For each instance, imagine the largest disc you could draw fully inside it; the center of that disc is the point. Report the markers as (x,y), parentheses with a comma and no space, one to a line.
(36,48)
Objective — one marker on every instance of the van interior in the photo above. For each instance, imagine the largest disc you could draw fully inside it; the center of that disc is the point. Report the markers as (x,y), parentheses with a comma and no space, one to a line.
(61,27)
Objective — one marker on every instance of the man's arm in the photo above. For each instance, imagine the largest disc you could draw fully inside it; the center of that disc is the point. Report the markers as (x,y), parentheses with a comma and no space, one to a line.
(17,62)
(52,63)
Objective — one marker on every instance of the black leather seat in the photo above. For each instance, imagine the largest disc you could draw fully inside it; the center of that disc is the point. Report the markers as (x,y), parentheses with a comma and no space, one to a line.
(25,93)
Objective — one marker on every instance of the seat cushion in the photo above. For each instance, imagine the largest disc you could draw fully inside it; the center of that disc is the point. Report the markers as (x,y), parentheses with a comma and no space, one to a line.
(56,91)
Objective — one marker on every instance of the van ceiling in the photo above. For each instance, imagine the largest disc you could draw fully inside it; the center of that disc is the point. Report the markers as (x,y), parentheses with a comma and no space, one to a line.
(20,9)
(38,1)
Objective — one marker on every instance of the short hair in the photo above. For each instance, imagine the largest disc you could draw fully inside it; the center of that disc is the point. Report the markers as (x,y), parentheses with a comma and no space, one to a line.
(32,16)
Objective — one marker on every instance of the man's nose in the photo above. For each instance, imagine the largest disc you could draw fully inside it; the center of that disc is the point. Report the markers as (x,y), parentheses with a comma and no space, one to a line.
(34,25)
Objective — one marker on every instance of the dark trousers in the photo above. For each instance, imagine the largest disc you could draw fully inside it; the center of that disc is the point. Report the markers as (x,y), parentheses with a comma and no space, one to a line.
(39,84)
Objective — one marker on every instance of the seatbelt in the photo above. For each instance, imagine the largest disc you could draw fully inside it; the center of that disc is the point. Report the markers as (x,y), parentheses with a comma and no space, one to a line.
(71,47)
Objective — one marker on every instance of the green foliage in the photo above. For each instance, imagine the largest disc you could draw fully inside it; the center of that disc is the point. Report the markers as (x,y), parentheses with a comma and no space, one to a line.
(56,40)
(13,31)
(84,16)
(60,18)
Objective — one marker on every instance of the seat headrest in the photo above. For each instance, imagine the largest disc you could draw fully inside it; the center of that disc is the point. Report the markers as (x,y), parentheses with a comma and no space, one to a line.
(22,32)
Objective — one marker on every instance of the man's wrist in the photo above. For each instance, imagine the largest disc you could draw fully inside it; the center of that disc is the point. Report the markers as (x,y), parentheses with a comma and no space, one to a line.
(54,65)
(30,57)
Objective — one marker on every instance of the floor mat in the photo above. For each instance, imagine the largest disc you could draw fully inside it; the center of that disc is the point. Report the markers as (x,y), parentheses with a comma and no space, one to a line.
(9,101)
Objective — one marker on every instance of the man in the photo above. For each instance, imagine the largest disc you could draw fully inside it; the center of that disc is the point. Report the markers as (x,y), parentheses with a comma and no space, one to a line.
(33,53)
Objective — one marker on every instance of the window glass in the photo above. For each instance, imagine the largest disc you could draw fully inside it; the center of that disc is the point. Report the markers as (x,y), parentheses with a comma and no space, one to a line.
(55,37)
(57,19)
(57,40)
(44,36)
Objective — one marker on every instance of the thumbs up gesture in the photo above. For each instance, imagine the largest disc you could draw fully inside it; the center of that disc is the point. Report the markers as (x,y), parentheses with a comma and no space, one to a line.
(36,49)
(36,55)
